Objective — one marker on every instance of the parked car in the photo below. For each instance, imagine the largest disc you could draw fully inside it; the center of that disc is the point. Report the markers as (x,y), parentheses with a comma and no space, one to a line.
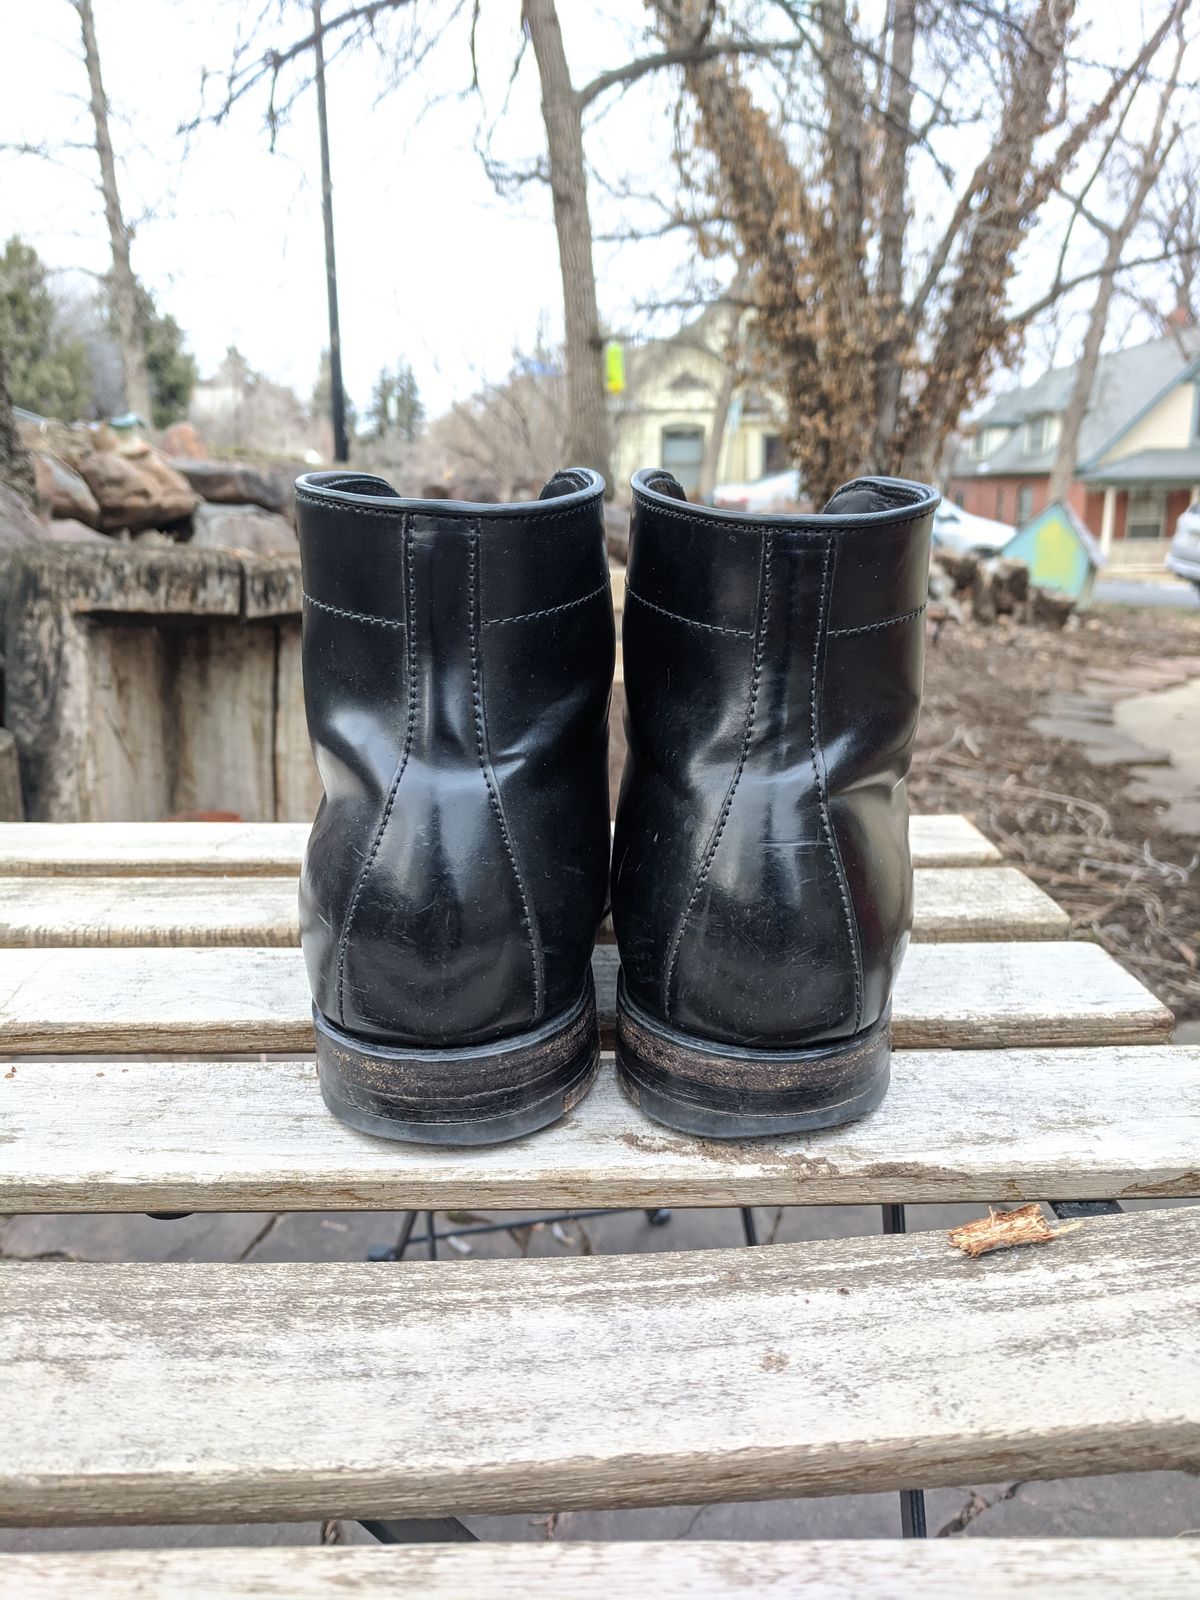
(963,533)
(1183,558)
(780,491)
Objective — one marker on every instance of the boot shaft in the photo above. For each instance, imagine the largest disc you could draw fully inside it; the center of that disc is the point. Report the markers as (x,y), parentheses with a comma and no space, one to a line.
(761,878)
(457,664)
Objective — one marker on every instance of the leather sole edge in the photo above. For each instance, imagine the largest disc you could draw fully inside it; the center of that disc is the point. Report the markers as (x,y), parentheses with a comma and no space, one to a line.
(469,1095)
(719,1091)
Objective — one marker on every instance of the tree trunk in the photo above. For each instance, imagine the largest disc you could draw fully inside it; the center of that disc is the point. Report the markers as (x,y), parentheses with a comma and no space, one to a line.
(893,176)
(587,441)
(16,464)
(122,284)
(730,373)
(1153,155)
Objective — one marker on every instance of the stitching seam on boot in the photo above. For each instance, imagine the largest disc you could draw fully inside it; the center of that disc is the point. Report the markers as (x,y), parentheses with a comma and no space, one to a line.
(818,766)
(485,766)
(871,627)
(406,537)
(353,616)
(550,611)
(678,616)
(760,630)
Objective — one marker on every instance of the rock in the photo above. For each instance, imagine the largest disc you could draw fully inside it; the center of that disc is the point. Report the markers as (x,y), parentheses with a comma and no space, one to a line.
(63,492)
(66,530)
(983,596)
(18,528)
(240,483)
(182,439)
(141,493)
(1048,610)
(999,588)
(962,568)
(18,525)
(943,602)
(1012,583)
(250,528)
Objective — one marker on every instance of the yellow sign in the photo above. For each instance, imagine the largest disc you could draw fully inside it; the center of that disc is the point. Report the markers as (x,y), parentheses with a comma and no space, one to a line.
(614,367)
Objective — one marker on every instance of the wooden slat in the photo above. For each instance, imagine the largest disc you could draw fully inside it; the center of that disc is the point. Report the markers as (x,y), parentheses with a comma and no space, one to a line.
(107,912)
(983,903)
(255,1136)
(111,849)
(844,1569)
(951,903)
(227,1393)
(211,1000)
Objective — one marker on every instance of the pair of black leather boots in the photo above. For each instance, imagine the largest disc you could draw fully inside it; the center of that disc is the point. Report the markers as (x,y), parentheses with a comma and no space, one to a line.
(458,661)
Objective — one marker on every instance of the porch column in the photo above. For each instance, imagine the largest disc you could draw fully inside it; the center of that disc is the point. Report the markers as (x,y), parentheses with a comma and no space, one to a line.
(1108,521)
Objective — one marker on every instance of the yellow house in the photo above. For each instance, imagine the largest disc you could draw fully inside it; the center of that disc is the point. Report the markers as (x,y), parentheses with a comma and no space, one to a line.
(670,413)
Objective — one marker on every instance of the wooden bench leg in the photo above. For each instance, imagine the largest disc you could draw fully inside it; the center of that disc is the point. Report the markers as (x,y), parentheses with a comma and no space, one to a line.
(420,1530)
(912,1501)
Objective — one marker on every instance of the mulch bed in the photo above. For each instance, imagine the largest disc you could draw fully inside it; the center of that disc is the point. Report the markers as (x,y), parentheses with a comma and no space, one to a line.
(1127,882)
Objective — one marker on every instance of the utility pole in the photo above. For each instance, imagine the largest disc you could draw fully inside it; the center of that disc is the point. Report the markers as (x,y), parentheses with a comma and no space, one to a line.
(341,444)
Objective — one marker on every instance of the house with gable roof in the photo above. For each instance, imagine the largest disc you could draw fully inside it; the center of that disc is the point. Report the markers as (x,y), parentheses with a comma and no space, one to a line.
(1138,463)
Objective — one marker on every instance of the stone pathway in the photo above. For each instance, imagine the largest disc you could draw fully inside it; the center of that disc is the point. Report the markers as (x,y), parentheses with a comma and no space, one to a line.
(1145,717)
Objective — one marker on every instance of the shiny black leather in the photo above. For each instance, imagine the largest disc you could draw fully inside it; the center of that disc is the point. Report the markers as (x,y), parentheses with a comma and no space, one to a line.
(761,882)
(457,669)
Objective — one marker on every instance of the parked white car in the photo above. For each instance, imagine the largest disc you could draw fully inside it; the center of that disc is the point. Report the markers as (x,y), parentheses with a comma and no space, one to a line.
(1183,558)
(963,533)
(778,492)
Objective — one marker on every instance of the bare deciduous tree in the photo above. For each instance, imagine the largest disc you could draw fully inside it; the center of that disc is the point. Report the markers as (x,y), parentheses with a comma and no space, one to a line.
(586,441)
(123,290)
(877,339)
(1148,159)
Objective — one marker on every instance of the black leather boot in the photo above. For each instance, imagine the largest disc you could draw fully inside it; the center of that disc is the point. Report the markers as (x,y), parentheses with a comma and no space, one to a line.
(457,669)
(761,886)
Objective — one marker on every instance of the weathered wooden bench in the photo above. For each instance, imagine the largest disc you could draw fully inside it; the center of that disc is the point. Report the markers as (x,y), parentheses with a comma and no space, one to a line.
(1029,1067)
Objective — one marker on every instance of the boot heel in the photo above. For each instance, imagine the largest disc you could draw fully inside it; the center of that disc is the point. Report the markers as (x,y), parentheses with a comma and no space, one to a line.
(721,1091)
(474,1095)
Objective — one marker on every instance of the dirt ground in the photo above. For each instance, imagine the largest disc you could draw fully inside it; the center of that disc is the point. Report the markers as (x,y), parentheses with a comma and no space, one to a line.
(1127,880)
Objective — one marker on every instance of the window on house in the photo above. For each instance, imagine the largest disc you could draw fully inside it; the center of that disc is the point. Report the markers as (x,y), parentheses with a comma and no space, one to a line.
(999,505)
(1144,514)
(1024,503)
(1040,433)
(959,498)
(774,457)
(683,454)
(986,441)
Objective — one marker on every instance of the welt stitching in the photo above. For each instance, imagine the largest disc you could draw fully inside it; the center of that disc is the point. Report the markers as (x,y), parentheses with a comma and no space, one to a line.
(353,616)
(727,806)
(782,526)
(484,766)
(822,795)
(870,627)
(531,514)
(692,622)
(550,611)
(365,870)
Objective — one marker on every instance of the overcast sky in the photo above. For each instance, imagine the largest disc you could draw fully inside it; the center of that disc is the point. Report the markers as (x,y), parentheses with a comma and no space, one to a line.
(433,265)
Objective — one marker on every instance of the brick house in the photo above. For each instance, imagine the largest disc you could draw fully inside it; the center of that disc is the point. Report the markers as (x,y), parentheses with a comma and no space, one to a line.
(1138,463)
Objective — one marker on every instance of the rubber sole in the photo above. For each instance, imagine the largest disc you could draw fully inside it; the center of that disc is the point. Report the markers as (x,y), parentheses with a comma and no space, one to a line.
(474,1095)
(722,1092)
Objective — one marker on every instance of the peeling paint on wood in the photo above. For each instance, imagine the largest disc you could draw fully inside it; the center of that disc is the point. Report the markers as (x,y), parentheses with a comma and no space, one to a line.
(205,1393)
(255,1136)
